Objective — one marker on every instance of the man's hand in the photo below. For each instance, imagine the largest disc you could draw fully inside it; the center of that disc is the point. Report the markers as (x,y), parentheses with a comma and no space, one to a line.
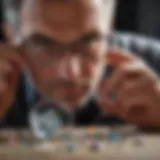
(132,92)
(9,77)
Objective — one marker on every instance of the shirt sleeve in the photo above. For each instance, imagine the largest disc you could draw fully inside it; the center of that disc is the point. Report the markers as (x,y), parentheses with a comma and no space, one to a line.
(147,48)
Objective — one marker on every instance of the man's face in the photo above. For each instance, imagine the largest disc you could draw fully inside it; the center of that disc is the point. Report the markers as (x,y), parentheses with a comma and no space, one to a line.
(65,45)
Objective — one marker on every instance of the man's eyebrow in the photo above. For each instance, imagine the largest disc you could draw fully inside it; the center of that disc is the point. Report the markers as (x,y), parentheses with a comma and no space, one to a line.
(91,35)
(39,36)
(86,37)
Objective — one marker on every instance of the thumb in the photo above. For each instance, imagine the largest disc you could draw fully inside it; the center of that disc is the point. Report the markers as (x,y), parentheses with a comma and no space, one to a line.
(21,56)
(117,57)
(11,53)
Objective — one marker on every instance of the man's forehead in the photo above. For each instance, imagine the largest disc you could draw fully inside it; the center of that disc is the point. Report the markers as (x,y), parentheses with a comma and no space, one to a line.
(71,2)
(62,6)
(73,15)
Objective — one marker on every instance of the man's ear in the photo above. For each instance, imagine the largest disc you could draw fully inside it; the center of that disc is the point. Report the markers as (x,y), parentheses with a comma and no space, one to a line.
(8,33)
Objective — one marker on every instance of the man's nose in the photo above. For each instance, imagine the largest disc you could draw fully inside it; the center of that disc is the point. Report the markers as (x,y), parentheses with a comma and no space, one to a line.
(69,67)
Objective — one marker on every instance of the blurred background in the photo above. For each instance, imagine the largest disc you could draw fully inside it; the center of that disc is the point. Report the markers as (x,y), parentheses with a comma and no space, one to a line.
(137,16)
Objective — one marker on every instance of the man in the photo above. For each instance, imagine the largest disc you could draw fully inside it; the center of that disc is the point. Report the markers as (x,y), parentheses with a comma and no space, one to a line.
(63,44)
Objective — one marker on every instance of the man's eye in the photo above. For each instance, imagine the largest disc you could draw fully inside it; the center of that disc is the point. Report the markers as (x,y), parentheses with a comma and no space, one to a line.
(88,40)
(43,43)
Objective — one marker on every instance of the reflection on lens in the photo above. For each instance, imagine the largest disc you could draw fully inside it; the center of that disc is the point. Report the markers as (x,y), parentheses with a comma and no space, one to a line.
(45,119)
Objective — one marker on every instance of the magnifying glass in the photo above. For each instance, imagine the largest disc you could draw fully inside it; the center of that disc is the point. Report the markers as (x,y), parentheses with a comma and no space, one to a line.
(46,118)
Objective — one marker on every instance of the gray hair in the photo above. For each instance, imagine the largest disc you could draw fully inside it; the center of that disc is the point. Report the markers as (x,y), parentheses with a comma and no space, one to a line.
(11,10)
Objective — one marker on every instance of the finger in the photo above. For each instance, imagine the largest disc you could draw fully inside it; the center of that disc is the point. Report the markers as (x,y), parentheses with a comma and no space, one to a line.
(110,91)
(10,68)
(118,57)
(11,53)
(22,55)
(131,94)
(9,95)
(107,107)
(3,90)
(115,80)
(135,69)
(115,83)
(128,76)
(13,79)
(104,99)
(137,115)
(5,66)
(135,100)
(134,93)
(3,87)
(123,73)
(102,96)
(102,90)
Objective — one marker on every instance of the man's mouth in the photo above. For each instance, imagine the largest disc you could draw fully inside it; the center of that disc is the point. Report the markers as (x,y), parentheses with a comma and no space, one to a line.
(70,90)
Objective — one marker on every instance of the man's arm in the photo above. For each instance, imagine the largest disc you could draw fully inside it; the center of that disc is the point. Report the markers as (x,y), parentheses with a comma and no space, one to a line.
(132,92)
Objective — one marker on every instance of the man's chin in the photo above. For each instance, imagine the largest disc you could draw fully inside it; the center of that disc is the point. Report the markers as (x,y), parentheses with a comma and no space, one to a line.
(70,106)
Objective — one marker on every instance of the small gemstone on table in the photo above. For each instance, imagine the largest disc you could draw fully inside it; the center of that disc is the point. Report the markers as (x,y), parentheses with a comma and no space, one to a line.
(70,148)
(114,136)
(94,147)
